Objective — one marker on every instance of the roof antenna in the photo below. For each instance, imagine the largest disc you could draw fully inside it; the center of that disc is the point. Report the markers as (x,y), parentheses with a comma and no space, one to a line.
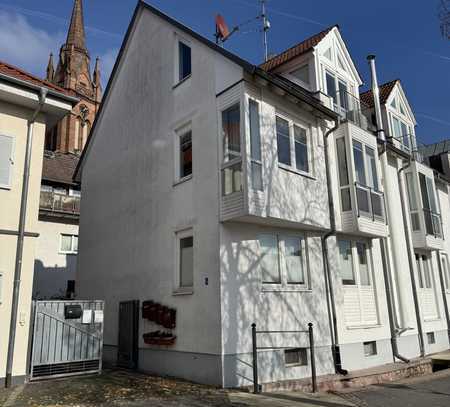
(266,28)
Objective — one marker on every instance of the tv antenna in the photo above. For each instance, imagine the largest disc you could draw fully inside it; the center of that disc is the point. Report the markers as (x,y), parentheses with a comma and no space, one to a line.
(223,33)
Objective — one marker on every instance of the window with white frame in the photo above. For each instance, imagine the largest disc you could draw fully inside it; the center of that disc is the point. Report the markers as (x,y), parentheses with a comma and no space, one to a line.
(185,260)
(445,271)
(184,61)
(412,200)
(356,273)
(430,204)
(283,260)
(231,142)
(68,244)
(255,145)
(183,153)
(293,145)
(426,283)
(401,132)
(337,89)
(344,183)
(369,199)
(6,160)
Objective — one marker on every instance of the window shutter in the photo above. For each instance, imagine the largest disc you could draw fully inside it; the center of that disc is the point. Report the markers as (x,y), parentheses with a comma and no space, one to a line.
(6,146)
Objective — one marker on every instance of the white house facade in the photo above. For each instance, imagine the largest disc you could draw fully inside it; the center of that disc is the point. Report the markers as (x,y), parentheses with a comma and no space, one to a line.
(220,194)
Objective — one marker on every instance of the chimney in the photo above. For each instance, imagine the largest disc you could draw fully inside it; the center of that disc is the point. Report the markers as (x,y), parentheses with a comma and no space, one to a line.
(376,97)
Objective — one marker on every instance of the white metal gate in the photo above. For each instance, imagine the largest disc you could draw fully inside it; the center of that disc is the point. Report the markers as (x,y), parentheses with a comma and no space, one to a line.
(67,338)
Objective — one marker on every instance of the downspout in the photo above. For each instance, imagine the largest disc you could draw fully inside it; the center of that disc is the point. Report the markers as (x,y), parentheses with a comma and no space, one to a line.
(20,238)
(411,261)
(384,241)
(444,294)
(326,261)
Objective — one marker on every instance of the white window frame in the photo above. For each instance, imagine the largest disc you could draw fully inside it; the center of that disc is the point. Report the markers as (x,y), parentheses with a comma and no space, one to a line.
(410,130)
(179,39)
(178,236)
(75,193)
(11,161)
(283,284)
(421,282)
(238,159)
(357,278)
(309,145)
(255,162)
(446,272)
(72,236)
(178,133)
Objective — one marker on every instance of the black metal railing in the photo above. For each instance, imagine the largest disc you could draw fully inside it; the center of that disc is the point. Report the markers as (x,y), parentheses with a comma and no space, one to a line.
(54,202)
(369,202)
(433,223)
(255,348)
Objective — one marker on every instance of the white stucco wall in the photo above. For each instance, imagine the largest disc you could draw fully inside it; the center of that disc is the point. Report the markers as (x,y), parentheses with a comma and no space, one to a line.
(52,269)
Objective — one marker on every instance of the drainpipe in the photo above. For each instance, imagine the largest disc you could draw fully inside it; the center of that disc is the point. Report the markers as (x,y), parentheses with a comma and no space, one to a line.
(326,262)
(410,260)
(444,294)
(20,238)
(384,242)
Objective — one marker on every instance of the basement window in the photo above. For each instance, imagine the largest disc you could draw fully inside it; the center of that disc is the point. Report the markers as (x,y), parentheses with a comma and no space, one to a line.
(295,357)
(370,348)
(431,339)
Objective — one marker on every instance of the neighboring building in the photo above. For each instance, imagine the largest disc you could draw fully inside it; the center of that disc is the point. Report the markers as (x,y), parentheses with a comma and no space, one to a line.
(59,212)
(19,102)
(205,190)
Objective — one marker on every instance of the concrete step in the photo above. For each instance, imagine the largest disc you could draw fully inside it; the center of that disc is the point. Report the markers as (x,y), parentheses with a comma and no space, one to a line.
(358,378)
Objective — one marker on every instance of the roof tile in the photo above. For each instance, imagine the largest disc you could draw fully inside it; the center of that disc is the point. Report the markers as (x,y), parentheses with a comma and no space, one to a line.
(59,167)
(295,51)
(385,91)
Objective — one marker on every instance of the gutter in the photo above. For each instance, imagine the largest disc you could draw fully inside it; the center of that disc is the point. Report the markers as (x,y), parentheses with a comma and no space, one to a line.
(73,100)
(21,238)
(331,303)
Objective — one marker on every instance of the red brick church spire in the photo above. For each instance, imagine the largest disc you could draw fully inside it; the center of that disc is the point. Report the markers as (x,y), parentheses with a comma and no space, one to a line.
(76,35)
(73,73)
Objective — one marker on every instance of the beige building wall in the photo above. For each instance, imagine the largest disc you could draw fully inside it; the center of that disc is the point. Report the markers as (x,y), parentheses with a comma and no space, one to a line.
(13,122)
(52,268)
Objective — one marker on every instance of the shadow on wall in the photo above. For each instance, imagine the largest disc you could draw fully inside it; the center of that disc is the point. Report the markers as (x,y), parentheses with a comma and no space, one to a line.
(243,298)
(53,283)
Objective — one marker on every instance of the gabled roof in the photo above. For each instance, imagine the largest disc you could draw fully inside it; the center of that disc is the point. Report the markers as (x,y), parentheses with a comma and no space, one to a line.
(295,51)
(291,88)
(385,91)
(59,167)
(17,73)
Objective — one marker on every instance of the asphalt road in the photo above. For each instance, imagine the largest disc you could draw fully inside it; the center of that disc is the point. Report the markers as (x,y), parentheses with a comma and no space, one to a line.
(428,391)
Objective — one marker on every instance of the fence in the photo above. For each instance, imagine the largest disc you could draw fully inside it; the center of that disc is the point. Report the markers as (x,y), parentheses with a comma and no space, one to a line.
(255,347)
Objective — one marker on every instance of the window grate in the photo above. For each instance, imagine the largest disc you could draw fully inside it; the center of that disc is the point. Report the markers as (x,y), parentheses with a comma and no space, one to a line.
(65,368)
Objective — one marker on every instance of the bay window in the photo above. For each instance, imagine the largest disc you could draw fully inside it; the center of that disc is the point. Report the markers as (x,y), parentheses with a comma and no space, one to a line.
(283,260)
(402,133)
(344,184)
(255,146)
(232,159)
(430,206)
(293,145)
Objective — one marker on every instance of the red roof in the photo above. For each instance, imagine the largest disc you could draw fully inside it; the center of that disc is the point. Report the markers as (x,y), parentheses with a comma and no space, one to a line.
(385,91)
(59,167)
(18,73)
(295,51)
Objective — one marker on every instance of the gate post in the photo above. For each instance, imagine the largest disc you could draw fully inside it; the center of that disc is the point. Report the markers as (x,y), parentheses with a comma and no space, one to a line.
(313,360)
(255,360)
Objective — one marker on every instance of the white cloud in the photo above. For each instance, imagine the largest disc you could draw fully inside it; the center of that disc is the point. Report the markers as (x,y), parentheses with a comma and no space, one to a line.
(26,46)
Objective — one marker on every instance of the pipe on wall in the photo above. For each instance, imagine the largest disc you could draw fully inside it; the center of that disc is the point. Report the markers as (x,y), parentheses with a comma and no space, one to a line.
(20,238)
(384,242)
(331,304)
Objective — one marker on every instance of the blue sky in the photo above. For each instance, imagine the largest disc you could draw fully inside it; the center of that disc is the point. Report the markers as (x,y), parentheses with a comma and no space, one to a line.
(404,35)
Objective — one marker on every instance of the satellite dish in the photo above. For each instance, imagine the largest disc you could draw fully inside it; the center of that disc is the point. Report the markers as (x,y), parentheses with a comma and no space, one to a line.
(222,31)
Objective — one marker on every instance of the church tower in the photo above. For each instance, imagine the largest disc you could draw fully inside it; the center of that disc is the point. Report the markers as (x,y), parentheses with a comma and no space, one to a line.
(73,73)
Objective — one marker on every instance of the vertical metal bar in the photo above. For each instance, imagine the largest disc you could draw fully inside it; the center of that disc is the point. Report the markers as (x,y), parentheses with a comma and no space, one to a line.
(313,360)
(255,360)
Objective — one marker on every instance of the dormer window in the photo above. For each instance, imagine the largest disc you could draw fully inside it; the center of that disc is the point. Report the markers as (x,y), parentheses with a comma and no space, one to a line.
(401,132)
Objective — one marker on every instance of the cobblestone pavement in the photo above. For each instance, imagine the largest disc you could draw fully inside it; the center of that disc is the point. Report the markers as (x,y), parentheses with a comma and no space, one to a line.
(426,391)
(113,388)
